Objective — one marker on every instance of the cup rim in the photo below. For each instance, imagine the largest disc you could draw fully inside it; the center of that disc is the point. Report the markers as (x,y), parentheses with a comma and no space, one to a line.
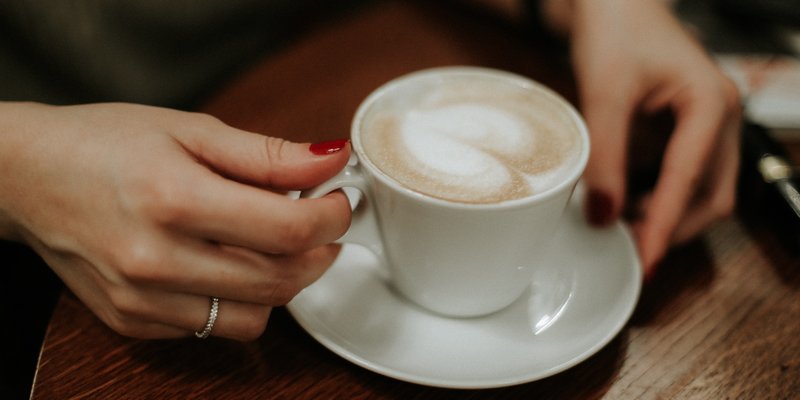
(568,183)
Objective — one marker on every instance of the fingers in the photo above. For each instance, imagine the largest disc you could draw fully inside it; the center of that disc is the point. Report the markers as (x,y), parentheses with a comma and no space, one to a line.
(199,203)
(173,300)
(177,304)
(718,199)
(261,160)
(240,215)
(155,313)
(235,208)
(236,273)
(697,179)
(607,120)
(679,177)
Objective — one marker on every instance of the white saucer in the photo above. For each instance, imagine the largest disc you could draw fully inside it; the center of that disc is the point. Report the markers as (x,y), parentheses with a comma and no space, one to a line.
(575,306)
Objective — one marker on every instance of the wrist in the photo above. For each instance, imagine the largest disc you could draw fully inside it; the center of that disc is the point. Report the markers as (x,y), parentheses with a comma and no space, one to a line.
(12,142)
(560,16)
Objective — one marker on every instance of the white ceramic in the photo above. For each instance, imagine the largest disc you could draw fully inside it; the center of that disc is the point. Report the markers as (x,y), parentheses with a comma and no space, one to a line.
(579,299)
(453,258)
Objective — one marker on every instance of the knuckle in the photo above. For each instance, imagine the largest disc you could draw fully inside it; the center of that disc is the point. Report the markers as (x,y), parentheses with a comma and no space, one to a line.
(286,280)
(299,235)
(124,326)
(723,206)
(160,199)
(192,120)
(124,303)
(261,292)
(204,119)
(274,150)
(726,94)
(255,325)
(344,218)
(140,262)
(731,93)
(282,292)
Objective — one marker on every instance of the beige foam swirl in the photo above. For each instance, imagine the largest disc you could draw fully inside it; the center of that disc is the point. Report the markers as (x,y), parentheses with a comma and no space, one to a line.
(504,144)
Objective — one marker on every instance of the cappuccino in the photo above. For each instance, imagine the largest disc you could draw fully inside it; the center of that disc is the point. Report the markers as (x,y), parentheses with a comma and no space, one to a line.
(461,168)
(472,138)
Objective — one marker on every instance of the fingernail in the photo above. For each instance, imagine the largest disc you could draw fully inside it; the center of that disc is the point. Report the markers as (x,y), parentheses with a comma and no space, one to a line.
(328,147)
(600,208)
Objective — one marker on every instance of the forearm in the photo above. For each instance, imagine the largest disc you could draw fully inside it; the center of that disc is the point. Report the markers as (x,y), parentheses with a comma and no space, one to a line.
(559,16)
(11,140)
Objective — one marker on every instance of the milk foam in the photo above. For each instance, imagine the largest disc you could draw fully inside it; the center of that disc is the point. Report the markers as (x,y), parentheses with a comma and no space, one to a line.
(449,140)
(476,143)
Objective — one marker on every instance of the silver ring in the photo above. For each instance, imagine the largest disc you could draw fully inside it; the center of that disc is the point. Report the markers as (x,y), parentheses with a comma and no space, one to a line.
(212,318)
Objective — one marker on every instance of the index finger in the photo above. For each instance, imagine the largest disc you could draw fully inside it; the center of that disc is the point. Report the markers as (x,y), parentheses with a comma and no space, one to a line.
(608,121)
(237,214)
(685,160)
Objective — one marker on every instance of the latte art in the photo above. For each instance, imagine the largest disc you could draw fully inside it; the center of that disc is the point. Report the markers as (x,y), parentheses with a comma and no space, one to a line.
(473,142)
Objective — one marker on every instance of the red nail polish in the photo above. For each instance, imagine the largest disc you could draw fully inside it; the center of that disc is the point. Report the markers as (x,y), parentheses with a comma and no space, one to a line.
(599,208)
(329,147)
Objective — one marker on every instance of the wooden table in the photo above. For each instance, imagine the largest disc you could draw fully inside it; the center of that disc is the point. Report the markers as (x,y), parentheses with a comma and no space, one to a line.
(721,321)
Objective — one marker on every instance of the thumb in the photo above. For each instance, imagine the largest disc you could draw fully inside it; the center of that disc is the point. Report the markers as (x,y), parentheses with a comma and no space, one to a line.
(268,161)
(608,123)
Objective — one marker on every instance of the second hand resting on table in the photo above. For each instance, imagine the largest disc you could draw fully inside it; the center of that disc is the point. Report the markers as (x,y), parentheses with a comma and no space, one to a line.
(634,56)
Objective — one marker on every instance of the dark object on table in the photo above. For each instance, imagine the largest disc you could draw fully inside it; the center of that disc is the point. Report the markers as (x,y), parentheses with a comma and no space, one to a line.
(769,190)
(770,12)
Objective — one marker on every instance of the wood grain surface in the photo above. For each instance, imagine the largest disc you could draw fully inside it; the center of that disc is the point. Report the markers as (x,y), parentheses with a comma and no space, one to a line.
(721,320)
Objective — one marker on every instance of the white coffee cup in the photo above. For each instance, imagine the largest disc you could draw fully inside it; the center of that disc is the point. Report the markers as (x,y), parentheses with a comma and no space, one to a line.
(459,257)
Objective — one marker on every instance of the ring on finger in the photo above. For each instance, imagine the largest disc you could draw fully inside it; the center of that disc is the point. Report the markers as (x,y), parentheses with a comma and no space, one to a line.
(212,319)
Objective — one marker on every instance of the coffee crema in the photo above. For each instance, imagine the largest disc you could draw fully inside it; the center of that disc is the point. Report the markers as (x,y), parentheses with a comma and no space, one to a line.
(472,139)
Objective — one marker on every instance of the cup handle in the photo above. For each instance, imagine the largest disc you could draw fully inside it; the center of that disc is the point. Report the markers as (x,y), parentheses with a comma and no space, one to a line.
(364,226)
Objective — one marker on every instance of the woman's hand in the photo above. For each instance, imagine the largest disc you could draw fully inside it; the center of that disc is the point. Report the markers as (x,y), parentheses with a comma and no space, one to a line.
(633,56)
(147,212)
